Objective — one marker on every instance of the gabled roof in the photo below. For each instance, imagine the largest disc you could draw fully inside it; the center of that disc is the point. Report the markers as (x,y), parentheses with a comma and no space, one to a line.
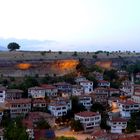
(87,114)
(36,88)
(46,86)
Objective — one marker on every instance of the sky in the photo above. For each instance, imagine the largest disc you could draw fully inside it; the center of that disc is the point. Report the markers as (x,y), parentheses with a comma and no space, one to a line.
(71,24)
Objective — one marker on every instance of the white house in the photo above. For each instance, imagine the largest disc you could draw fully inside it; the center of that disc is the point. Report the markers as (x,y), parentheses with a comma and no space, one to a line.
(98,75)
(1,113)
(113,91)
(88,119)
(77,90)
(127,87)
(78,79)
(87,85)
(36,92)
(136,98)
(2,94)
(127,107)
(103,83)
(138,75)
(118,125)
(86,101)
(59,107)
(50,90)
(19,107)
(1,134)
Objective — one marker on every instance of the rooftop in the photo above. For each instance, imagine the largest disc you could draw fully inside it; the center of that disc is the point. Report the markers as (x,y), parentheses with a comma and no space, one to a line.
(14,91)
(19,101)
(87,114)
(46,86)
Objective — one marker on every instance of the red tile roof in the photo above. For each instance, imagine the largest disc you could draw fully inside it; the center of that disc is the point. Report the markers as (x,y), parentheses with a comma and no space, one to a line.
(119,120)
(87,114)
(39,101)
(19,101)
(36,88)
(46,86)
(103,81)
(127,102)
(14,91)
(61,84)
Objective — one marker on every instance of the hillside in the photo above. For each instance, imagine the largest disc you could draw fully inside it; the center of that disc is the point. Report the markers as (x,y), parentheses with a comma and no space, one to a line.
(48,55)
(22,63)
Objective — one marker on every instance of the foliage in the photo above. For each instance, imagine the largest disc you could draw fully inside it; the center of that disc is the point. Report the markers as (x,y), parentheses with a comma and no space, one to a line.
(92,78)
(95,68)
(65,119)
(134,68)
(81,68)
(15,131)
(97,107)
(97,52)
(115,84)
(110,75)
(43,53)
(131,126)
(76,107)
(13,46)
(65,138)
(42,124)
(27,83)
(94,56)
(103,123)
(76,125)
(5,118)
(75,54)
(70,78)
(60,52)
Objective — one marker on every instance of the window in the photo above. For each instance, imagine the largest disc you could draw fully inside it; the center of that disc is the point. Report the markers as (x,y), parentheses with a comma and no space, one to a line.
(92,119)
(59,113)
(86,119)
(96,118)
(58,108)
(63,107)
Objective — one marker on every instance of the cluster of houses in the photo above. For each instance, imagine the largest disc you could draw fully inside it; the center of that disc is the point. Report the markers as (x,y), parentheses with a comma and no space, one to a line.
(56,99)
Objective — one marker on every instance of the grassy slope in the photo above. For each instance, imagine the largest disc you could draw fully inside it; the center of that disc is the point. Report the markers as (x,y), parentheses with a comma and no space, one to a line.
(32,55)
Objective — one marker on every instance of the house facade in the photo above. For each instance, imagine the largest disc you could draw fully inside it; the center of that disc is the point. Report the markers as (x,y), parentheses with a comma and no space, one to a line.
(127,107)
(87,85)
(103,83)
(36,92)
(88,119)
(63,87)
(118,125)
(39,103)
(86,101)
(50,90)
(136,98)
(2,94)
(77,90)
(12,94)
(59,107)
(19,107)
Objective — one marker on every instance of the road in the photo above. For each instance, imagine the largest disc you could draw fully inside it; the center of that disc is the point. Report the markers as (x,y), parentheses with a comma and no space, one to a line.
(68,133)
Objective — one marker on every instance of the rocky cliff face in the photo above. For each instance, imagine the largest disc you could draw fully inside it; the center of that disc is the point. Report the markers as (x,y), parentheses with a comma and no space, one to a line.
(31,68)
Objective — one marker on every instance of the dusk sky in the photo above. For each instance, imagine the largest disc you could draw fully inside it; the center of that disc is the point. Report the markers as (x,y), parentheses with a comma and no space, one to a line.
(72,24)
